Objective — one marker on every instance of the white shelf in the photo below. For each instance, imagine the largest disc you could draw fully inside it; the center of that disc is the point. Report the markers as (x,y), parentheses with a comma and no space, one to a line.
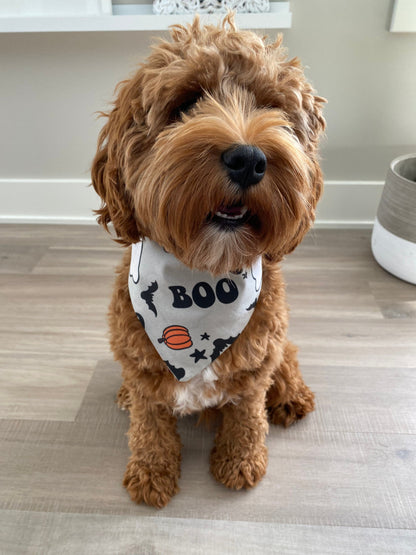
(143,19)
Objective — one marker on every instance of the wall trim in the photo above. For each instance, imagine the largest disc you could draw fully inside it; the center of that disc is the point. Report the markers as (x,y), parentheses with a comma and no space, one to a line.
(344,204)
(349,204)
(47,201)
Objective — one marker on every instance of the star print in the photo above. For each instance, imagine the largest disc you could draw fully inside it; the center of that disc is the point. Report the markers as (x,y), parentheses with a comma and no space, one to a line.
(204,336)
(244,276)
(198,355)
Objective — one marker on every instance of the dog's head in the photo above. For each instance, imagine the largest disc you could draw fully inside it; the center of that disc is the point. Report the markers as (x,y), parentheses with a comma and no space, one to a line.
(210,150)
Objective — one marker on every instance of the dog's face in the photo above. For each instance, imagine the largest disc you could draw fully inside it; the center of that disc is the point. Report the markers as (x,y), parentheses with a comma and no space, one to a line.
(210,150)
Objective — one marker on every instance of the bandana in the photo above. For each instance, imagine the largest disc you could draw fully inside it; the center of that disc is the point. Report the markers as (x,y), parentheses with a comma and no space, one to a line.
(191,317)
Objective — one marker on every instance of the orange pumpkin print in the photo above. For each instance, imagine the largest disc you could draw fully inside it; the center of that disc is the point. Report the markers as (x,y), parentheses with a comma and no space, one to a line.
(176,337)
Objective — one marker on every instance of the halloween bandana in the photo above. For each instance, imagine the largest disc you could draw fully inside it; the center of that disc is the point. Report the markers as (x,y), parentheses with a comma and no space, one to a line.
(191,317)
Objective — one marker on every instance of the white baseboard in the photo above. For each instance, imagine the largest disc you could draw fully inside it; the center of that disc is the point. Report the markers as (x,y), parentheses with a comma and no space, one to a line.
(47,201)
(72,201)
(348,204)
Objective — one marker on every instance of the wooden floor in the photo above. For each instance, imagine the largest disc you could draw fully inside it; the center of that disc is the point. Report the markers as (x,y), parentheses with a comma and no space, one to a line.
(341,481)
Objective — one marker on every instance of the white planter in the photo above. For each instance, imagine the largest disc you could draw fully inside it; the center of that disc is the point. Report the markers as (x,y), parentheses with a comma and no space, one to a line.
(394,234)
(165,7)
(54,8)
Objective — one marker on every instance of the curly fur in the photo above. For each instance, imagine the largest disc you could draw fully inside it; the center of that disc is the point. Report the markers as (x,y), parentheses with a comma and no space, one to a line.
(159,174)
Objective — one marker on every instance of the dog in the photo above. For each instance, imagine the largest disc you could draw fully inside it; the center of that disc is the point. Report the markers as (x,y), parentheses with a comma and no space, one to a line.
(207,165)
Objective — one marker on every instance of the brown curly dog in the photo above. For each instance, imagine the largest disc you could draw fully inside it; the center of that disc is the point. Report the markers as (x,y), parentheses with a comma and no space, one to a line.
(210,152)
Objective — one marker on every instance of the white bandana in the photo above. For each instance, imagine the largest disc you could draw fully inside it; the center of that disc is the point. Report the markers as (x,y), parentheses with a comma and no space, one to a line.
(191,317)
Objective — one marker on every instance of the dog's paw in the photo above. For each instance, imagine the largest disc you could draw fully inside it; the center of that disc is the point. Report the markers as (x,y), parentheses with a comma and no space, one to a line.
(151,486)
(237,471)
(294,409)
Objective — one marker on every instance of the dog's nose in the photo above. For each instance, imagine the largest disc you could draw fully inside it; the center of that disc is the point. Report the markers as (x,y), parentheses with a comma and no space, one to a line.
(245,165)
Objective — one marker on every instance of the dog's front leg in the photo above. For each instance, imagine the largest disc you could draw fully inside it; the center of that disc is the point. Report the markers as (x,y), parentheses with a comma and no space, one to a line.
(153,470)
(239,457)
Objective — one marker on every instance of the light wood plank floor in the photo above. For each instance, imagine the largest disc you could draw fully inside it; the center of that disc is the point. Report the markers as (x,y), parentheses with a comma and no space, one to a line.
(341,481)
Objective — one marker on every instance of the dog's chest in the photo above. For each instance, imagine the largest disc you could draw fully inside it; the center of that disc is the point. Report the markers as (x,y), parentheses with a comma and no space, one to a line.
(199,393)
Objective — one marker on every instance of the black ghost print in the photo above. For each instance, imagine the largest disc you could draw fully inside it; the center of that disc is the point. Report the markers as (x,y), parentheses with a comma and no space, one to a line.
(136,267)
(257,282)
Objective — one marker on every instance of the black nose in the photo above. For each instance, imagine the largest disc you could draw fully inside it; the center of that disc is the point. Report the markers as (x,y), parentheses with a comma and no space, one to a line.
(245,164)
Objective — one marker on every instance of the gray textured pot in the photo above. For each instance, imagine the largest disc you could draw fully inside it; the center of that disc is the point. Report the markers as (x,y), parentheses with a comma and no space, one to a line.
(394,234)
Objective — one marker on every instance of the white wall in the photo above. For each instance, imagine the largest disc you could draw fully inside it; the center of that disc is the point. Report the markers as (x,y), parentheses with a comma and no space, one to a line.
(52,83)
(369,77)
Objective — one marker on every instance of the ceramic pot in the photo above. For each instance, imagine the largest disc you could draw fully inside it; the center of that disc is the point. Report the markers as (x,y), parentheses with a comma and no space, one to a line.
(394,234)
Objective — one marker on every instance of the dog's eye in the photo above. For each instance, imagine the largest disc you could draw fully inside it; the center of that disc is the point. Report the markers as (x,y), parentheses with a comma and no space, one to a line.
(291,132)
(184,107)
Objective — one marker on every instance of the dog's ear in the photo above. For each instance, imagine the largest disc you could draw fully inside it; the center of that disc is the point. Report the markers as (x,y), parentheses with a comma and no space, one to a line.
(304,110)
(300,103)
(311,201)
(307,203)
(313,123)
(109,165)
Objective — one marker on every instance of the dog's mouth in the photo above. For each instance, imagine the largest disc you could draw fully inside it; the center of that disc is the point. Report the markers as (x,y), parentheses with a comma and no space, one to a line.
(230,217)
